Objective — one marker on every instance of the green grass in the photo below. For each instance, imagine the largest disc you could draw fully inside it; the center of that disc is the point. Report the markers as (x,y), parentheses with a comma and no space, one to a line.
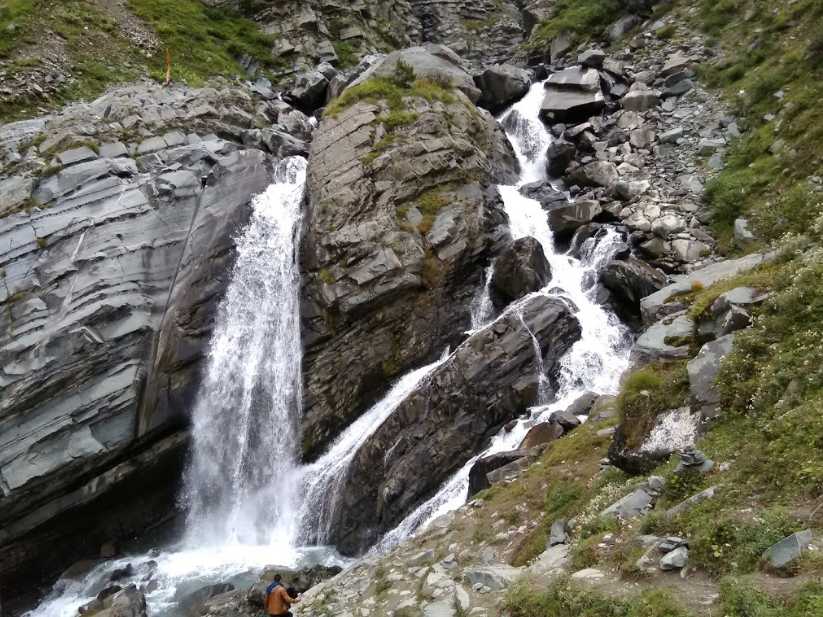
(778,47)
(563,599)
(741,598)
(581,18)
(346,54)
(648,392)
(15,18)
(203,41)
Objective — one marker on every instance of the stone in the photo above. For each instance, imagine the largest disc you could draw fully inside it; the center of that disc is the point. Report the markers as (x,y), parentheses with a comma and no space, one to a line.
(677,89)
(76,155)
(559,155)
(478,474)
(667,225)
(743,235)
(674,64)
(783,555)
(192,602)
(15,192)
(640,99)
(566,219)
(539,434)
(572,95)
(496,577)
(309,91)
(690,502)
(597,173)
(630,280)
(379,264)
(703,370)
(623,26)
(560,44)
(663,302)
(440,423)
(635,504)
(588,574)
(667,339)
(642,137)
(672,135)
(520,269)
(429,61)
(675,560)
(113,150)
(558,533)
(565,419)
(553,560)
(629,190)
(692,459)
(501,85)
(592,58)
(583,404)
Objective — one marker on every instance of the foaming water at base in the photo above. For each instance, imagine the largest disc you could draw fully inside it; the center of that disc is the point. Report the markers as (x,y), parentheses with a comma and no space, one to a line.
(169,576)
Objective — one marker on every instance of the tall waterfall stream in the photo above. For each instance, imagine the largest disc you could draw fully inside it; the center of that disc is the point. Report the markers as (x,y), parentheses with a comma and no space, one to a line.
(250,503)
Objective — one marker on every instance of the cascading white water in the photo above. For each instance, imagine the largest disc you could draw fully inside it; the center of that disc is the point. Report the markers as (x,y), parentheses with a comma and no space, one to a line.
(324,478)
(242,481)
(482,308)
(596,361)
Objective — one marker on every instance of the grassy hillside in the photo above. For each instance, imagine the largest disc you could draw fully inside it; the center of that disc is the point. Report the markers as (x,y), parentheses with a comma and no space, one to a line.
(94,46)
(769,68)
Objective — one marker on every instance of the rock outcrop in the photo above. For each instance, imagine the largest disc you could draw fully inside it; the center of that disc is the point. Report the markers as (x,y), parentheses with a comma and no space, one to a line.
(401,220)
(490,379)
(113,264)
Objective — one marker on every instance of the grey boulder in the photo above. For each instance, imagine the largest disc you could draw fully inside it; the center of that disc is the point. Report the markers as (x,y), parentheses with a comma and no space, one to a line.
(520,269)
(783,555)
(501,85)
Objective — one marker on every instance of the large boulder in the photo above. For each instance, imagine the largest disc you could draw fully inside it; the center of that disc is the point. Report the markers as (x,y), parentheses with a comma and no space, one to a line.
(309,91)
(596,173)
(520,269)
(490,379)
(564,219)
(501,85)
(667,339)
(478,474)
(703,370)
(630,280)
(782,557)
(431,61)
(572,95)
(401,221)
(559,155)
(665,301)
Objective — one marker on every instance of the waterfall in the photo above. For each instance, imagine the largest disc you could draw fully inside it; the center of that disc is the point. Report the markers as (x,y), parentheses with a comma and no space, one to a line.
(595,362)
(241,481)
(324,478)
(481,307)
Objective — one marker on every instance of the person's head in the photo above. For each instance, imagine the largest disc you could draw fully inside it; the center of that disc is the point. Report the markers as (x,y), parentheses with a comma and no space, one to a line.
(277,578)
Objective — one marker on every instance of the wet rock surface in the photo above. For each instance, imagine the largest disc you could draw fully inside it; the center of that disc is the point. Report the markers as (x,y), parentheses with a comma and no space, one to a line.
(394,246)
(488,381)
(115,258)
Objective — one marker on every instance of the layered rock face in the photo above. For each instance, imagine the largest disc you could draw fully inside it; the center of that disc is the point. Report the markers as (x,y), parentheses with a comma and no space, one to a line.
(113,263)
(490,379)
(401,220)
(307,33)
(484,32)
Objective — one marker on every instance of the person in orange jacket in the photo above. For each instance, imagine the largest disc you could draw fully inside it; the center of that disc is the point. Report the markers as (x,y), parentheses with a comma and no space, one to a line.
(278,599)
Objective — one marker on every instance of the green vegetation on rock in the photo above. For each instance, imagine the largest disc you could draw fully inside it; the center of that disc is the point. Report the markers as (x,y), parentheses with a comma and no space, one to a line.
(564,599)
(579,18)
(648,392)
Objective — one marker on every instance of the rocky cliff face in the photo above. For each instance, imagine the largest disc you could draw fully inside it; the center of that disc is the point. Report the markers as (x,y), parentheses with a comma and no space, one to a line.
(117,241)
(491,379)
(402,216)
